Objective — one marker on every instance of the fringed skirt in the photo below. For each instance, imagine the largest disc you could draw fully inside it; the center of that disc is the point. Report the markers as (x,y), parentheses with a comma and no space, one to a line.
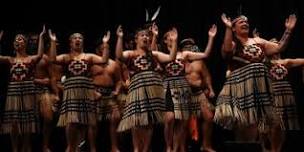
(78,103)
(121,98)
(45,101)
(180,92)
(21,114)
(285,105)
(108,105)
(58,101)
(145,101)
(246,98)
(199,99)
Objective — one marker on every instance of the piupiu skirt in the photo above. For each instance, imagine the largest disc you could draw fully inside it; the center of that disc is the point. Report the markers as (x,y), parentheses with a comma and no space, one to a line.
(246,98)
(78,104)
(199,99)
(145,103)
(180,94)
(107,104)
(21,112)
(285,105)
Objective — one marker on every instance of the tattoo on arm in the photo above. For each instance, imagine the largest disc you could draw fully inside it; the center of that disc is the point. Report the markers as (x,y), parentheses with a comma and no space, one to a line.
(285,36)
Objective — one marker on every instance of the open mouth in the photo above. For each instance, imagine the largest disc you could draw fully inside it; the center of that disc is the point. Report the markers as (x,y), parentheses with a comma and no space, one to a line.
(77,44)
(245,27)
(17,45)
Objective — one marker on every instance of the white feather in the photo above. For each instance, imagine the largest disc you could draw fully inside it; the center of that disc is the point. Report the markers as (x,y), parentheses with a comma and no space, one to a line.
(156,13)
(147,15)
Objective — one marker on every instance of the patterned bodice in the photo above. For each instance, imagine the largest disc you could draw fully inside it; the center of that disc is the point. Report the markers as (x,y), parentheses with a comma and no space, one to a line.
(142,63)
(252,53)
(78,67)
(21,71)
(175,68)
(278,71)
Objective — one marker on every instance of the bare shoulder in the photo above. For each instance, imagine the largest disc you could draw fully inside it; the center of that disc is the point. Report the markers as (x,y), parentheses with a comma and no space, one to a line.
(259,40)
(114,63)
(90,55)
(129,53)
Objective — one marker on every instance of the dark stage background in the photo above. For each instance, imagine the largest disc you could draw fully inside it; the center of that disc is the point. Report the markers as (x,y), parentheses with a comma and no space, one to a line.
(191,17)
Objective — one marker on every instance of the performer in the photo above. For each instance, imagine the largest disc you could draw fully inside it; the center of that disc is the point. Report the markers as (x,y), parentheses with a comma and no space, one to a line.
(145,101)
(245,102)
(21,116)
(44,97)
(284,99)
(107,81)
(78,109)
(199,79)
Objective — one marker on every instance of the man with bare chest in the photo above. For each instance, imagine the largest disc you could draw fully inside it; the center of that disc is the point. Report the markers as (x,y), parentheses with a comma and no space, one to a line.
(45,99)
(107,80)
(199,79)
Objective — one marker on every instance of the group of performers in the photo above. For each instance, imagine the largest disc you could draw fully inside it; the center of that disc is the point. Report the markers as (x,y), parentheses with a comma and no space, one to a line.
(147,84)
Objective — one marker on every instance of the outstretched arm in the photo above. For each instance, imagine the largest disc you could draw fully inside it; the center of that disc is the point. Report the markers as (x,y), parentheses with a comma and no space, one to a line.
(162,57)
(119,44)
(289,24)
(37,58)
(119,53)
(227,47)
(290,63)
(154,30)
(3,59)
(105,51)
(53,58)
(202,55)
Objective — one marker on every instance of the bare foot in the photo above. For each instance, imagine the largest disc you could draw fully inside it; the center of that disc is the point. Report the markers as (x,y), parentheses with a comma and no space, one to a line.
(207,149)
(46,150)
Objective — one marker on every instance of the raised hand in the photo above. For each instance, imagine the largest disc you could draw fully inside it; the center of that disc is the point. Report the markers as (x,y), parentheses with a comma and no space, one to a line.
(154,29)
(106,37)
(52,35)
(255,33)
(290,22)
(173,34)
(226,20)
(212,31)
(119,31)
(43,31)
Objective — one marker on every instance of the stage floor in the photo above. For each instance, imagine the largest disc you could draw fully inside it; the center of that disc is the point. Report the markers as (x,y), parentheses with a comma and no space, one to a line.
(222,140)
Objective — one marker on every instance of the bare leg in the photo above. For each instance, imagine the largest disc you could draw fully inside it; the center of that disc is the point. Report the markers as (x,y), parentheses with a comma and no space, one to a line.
(92,132)
(277,138)
(249,133)
(113,127)
(207,129)
(73,137)
(15,140)
(136,139)
(47,114)
(169,128)
(26,143)
(177,135)
(147,134)
(46,135)
(184,133)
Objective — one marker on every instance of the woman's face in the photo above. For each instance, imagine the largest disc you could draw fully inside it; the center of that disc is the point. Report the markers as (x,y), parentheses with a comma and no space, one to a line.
(76,41)
(241,27)
(142,38)
(20,42)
